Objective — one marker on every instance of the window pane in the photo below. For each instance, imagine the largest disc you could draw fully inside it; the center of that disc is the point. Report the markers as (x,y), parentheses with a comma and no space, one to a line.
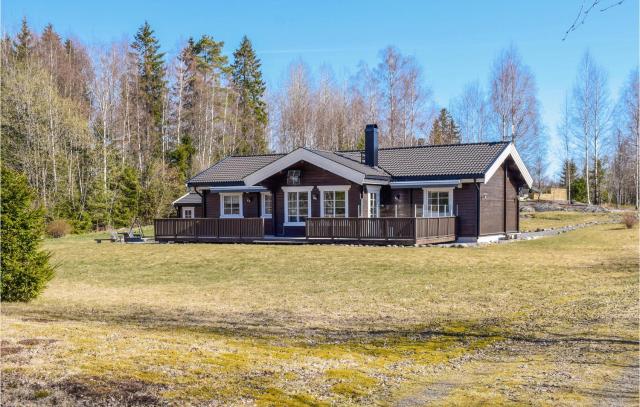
(328,208)
(303,198)
(266,204)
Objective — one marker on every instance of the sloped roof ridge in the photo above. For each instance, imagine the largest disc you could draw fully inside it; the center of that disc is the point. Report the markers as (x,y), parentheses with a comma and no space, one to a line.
(254,155)
(428,146)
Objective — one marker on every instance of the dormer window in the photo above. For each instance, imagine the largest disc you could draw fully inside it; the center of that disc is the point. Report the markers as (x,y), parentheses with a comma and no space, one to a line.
(293,177)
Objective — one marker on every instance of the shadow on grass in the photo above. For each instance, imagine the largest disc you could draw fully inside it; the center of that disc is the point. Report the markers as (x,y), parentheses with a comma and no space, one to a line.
(265,326)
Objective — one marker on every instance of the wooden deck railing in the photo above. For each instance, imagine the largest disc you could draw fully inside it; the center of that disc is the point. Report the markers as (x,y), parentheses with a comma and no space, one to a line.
(415,230)
(208,229)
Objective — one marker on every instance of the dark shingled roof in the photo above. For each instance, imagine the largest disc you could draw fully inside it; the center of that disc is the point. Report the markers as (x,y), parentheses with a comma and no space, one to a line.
(435,161)
(354,164)
(191,198)
(233,169)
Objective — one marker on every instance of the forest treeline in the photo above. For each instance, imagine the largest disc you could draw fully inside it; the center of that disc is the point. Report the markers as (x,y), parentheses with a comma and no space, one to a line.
(105,134)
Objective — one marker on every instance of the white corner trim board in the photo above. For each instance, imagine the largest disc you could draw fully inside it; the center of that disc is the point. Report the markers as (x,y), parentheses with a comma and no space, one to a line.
(302,154)
(174,202)
(510,150)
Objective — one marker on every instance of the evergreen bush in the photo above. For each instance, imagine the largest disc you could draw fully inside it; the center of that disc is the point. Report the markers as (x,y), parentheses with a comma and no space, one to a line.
(25,268)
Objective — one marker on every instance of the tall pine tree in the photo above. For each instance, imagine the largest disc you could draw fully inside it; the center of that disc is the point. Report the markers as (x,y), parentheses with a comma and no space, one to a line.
(24,41)
(444,130)
(151,80)
(252,109)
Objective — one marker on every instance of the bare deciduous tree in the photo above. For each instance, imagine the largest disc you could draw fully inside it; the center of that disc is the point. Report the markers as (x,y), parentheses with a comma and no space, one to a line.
(591,116)
(472,113)
(514,101)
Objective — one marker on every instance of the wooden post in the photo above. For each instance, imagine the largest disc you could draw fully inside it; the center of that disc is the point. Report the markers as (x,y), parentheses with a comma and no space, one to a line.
(332,228)
(385,225)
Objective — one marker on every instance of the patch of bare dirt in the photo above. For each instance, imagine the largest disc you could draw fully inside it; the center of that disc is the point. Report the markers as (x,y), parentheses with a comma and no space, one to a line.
(10,350)
(96,391)
(36,341)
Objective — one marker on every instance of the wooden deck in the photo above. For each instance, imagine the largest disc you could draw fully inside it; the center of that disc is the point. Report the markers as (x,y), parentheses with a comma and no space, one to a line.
(208,230)
(406,231)
(383,230)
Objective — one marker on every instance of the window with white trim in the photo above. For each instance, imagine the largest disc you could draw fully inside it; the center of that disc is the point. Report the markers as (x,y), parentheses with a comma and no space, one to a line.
(373,201)
(438,203)
(334,201)
(374,205)
(187,212)
(231,205)
(297,207)
(266,204)
(334,204)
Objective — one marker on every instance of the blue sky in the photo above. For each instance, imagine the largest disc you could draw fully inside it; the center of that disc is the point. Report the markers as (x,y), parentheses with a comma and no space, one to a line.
(454,41)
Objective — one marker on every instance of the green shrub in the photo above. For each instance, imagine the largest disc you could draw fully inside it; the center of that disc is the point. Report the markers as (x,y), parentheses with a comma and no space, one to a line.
(25,268)
(58,228)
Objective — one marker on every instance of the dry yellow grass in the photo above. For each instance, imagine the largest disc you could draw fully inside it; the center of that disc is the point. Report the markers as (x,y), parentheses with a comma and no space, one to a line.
(556,219)
(546,321)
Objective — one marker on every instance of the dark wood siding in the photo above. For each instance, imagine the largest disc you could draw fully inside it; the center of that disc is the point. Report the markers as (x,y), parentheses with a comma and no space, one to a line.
(251,209)
(213,205)
(466,208)
(492,204)
(310,176)
(512,200)
(197,209)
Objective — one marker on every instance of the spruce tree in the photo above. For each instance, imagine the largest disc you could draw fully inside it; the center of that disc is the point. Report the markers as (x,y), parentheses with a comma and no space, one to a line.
(444,130)
(128,198)
(247,79)
(24,41)
(151,77)
(25,268)
(182,158)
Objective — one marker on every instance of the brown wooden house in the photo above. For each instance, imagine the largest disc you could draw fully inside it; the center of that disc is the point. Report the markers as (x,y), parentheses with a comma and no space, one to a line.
(400,195)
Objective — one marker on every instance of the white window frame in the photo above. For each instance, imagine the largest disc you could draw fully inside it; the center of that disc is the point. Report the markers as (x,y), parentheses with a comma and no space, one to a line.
(286,191)
(188,208)
(425,201)
(263,195)
(373,190)
(225,194)
(334,188)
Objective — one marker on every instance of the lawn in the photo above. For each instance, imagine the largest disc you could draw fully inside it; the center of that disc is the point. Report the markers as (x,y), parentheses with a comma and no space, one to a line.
(555,219)
(547,321)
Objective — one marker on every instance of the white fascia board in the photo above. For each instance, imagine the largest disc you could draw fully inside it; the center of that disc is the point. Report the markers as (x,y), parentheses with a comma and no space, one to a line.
(322,188)
(303,154)
(174,202)
(300,188)
(510,150)
(376,181)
